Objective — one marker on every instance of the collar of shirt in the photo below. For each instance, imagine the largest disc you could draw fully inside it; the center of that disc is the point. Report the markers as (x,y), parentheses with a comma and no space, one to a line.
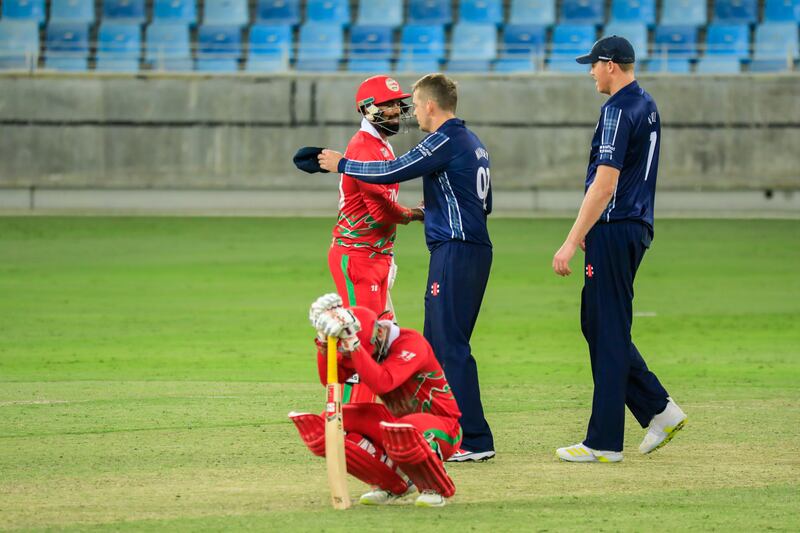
(452,122)
(632,86)
(367,126)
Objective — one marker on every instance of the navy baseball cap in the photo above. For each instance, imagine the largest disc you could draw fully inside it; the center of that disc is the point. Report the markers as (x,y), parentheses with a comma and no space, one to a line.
(611,48)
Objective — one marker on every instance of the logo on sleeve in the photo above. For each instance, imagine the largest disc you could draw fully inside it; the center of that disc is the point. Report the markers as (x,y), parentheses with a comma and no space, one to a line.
(407,356)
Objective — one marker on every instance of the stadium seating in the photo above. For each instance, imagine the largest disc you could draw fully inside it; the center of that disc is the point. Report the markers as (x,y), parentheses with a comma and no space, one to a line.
(218,48)
(570,41)
(328,12)
(582,12)
(422,48)
(270,48)
(635,32)
(684,13)
(167,47)
(473,47)
(718,65)
(175,11)
(481,11)
(370,49)
(735,11)
(124,10)
(523,48)
(226,13)
(634,11)
(536,12)
(380,13)
(775,47)
(19,43)
(782,11)
(278,12)
(676,42)
(32,10)
(669,65)
(118,47)
(67,46)
(320,47)
(728,40)
(429,12)
(72,11)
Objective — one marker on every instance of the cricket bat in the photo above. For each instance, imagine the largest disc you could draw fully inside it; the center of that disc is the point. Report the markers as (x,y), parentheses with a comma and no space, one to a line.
(334,433)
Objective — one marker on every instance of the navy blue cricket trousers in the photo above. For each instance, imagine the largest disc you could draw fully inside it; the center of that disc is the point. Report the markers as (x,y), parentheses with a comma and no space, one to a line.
(457,277)
(621,377)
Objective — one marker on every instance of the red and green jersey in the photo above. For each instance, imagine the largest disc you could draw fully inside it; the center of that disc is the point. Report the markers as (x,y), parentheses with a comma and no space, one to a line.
(368,214)
(409,380)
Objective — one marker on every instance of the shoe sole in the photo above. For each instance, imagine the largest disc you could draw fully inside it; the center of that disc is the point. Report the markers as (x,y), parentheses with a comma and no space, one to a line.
(470,459)
(671,433)
(426,504)
(598,459)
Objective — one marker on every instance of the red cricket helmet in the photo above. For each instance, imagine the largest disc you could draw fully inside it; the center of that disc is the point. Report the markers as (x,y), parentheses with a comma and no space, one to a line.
(378,90)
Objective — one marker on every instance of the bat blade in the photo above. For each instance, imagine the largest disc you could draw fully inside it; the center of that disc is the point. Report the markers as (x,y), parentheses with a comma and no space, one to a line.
(334,434)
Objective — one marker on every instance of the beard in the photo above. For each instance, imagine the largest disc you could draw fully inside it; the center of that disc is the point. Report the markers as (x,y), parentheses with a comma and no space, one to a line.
(389,128)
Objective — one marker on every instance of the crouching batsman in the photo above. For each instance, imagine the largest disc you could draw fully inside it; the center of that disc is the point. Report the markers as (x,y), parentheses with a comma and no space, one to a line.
(403,442)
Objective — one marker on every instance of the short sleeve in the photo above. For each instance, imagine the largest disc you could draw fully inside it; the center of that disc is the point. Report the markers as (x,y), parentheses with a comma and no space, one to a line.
(614,136)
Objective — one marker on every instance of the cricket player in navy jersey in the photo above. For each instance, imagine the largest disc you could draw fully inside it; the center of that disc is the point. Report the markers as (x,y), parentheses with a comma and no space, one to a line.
(457,194)
(615,227)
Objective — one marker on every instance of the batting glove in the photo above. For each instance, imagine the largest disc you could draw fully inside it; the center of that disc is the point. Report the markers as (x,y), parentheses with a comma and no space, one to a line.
(338,322)
(392,273)
(322,304)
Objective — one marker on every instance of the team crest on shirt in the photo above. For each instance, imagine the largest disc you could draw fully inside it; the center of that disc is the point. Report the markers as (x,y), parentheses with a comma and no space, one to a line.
(589,271)
(407,356)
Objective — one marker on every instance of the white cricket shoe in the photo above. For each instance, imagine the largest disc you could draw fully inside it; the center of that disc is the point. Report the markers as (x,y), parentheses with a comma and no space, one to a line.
(378,496)
(663,427)
(462,456)
(430,498)
(580,453)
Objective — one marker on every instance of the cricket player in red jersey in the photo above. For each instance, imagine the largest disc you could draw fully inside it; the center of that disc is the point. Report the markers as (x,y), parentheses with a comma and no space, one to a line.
(360,258)
(413,431)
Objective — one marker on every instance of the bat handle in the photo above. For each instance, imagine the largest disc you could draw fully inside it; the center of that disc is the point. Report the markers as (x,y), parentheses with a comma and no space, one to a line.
(333,370)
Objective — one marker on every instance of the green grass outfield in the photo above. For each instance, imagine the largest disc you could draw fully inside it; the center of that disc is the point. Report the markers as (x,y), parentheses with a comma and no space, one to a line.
(147,366)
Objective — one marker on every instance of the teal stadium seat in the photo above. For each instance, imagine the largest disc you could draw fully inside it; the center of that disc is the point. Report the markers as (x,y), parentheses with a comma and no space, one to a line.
(635,32)
(19,10)
(429,12)
(782,11)
(124,11)
(569,42)
(320,47)
(643,11)
(775,47)
(218,48)
(118,47)
(175,11)
(226,13)
(473,47)
(371,49)
(735,11)
(523,48)
(673,50)
(533,12)
(72,11)
(583,12)
(328,12)
(19,44)
(481,11)
(168,46)
(380,13)
(67,46)
(270,48)
(684,13)
(273,12)
(422,48)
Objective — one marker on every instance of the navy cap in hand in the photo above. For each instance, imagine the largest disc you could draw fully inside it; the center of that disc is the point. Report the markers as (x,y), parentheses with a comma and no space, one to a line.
(612,48)
(306,159)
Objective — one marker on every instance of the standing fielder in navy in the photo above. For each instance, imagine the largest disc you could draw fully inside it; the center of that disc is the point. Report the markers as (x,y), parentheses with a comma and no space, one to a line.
(457,192)
(615,227)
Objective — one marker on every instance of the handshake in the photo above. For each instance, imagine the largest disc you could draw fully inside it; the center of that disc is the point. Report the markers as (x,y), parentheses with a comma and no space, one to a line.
(330,319)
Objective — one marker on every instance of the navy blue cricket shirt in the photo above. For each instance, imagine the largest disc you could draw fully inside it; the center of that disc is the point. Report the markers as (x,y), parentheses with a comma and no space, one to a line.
(628,138)
(457,189)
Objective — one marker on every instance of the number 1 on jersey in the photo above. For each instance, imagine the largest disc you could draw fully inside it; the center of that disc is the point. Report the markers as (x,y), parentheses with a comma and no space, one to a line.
(653,139)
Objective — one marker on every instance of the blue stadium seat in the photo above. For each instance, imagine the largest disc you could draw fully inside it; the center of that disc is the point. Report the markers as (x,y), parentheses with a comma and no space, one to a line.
(226,13)
(370,49)
(675,42)
(67,46)
(124,10)
(422,48)
(278,12)
(380,13)
(684,13)
(718,65)
(328,11)
(582,12)
(570,41)
(218,48)
(320,47)
(775,47)
(523,48)
(481,11)
(175,11)
(635,32)
(735,11)
(728,40)
(538,12)
(270,48)
(72,11)
(168,46)
(19,43)
(118,47)
(473,47)
(634,11)
(782,11)
(429,12)
(669,65)
(24,10)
